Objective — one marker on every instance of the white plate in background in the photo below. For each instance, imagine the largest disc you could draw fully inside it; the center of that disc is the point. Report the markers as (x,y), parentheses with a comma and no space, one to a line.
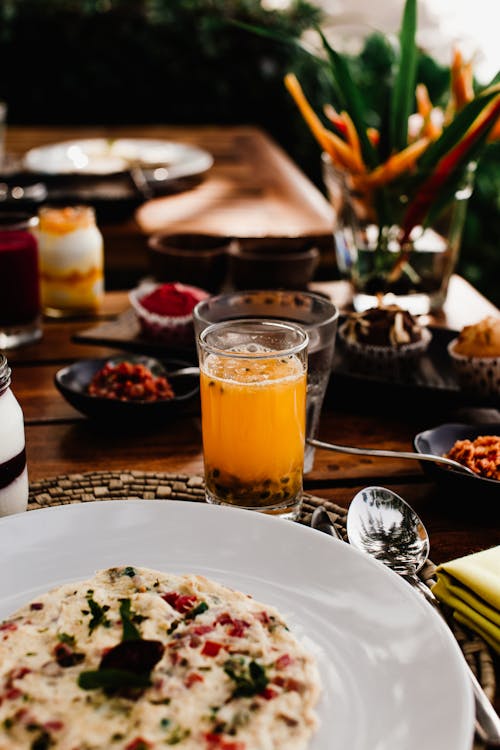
(102,156)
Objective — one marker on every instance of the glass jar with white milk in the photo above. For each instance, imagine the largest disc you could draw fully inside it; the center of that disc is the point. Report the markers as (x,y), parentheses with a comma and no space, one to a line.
(13,470)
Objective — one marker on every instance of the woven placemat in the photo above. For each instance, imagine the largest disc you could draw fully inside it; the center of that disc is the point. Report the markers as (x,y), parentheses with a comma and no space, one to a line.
(117,485)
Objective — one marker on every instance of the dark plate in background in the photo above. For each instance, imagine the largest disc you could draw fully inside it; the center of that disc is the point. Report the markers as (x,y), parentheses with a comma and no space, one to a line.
(439,441)
(72,382)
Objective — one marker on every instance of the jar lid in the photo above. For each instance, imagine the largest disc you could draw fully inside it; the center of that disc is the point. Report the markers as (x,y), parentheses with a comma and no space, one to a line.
(62,220)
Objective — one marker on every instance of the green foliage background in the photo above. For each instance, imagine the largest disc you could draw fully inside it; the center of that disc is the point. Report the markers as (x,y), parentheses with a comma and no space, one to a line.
(184,61)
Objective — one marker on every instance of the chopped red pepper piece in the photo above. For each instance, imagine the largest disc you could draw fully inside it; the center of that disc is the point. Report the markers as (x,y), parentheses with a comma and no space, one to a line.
(217,742)
(268,693)
(138,744)
(202,629)
(181,602)
(284,661)
(53,726)
(211,648)
(12,694)
(8,626)
(239,628)
(192,678)
(224,619)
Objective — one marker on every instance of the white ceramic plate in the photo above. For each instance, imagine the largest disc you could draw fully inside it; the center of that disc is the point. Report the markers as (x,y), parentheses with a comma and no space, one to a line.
(102,156)
(392,674)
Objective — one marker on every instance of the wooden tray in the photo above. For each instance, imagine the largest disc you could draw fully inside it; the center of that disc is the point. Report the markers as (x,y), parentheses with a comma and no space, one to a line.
(431,377)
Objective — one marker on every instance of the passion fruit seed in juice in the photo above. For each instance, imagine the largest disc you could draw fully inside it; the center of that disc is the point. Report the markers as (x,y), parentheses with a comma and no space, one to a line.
(253,416)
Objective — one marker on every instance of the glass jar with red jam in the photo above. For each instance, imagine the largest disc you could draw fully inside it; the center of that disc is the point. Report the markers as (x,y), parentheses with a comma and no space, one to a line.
(13,471)
(20,307)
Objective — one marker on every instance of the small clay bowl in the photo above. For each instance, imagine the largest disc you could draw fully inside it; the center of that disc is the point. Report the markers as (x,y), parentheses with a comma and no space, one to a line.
(273,263)
(191,258)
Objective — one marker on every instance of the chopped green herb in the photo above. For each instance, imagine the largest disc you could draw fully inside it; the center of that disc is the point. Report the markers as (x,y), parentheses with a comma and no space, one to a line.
(8,723)
(201,607)
(116,737)
(178,735)
(111,680)
(98,614)
(128,571)
(164,723)
(173,627)
(130,632)
(65,638)
(249,681)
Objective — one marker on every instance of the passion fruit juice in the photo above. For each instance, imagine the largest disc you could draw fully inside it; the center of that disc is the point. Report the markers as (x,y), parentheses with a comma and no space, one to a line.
(253,420)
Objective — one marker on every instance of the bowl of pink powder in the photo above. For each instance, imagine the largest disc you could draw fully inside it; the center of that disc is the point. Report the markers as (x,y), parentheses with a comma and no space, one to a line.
(165,311)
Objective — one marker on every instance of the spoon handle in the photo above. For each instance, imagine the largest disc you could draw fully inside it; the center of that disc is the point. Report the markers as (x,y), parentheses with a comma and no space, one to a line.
(389,454)
(487,720)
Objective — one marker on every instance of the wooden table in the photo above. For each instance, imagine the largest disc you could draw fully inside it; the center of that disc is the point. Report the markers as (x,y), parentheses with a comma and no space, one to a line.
(60,440)
(253,189)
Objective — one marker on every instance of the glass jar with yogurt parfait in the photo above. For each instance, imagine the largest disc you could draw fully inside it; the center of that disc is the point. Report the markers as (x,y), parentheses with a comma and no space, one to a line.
(71,260)
(13,470)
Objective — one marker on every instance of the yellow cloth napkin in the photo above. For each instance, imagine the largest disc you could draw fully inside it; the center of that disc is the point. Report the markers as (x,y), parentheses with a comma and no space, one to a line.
(471,587)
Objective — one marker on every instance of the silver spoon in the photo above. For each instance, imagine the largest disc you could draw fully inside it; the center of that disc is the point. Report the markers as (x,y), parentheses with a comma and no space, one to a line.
(383,525)
(183,371)
(321,520)
(391,454)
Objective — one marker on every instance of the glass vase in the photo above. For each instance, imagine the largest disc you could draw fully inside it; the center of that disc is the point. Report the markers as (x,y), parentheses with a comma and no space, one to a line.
(412,272)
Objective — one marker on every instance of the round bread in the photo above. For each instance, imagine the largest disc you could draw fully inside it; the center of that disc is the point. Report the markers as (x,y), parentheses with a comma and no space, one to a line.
(133,659)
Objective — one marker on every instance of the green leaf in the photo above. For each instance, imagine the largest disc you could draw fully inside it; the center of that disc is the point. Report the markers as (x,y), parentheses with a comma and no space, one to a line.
(130,632)
(404,85)
(98,614)
(198,610)
(112,679)
(278,36)
(455,131)
(350,99)
(251,681)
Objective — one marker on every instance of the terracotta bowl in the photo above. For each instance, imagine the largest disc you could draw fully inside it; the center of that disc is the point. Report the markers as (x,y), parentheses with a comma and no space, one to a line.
(191,258)
(273,263)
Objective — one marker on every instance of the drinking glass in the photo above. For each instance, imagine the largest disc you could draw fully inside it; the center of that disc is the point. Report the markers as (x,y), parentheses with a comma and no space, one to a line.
(20,307)
(312,312)
(253,408)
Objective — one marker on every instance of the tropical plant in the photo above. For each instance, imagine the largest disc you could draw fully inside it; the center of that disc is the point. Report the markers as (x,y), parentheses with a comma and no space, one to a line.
(403,159)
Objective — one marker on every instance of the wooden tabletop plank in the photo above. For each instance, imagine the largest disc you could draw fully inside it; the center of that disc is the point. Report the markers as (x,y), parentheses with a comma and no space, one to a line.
(253,189)
(44,408)
(83,445)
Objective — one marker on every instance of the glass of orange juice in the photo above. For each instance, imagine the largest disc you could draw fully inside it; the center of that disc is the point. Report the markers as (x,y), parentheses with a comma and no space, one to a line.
(253,406)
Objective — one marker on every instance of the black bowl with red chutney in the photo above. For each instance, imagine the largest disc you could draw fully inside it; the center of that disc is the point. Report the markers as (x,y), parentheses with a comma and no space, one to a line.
(128,388)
